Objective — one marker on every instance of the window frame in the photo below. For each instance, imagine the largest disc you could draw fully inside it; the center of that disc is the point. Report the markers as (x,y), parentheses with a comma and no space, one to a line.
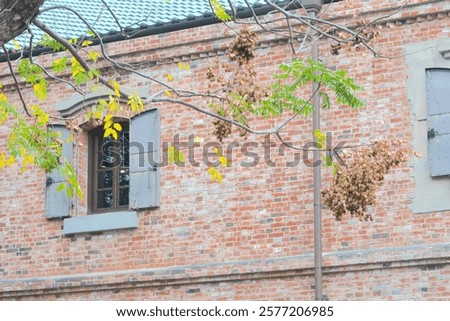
(94,135)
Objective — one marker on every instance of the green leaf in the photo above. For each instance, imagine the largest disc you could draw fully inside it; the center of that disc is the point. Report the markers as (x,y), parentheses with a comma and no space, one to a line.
(183,66)
(108,117)
(30,72)
(59,65)
(179,156)
(40,89)
(287,90)
(47,41)
(108,124)
(328,160)
(60,187)
(108,132)
(86,43)
(69,173)
(91,33)
(135,102)
(215,174)
(17,45)
(219,11)
(175,156)
(325,100)
(76,67)
(117,127)
(116,87)
(93,73)
(113,104)
(171,155)
(42,117)
(320,138)
(31,141)
(223,161)
(81,78)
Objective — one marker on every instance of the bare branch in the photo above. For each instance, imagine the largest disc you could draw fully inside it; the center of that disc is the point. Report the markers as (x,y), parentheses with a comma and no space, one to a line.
(74,52)
(114,16)
(19,91)
(287,121)
(125,67)
(45,70)
(307,20)
(207,112)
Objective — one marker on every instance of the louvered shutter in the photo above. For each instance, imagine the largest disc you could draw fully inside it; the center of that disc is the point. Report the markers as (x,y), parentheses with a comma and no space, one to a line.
(438,106)
(144,156)
(57,203)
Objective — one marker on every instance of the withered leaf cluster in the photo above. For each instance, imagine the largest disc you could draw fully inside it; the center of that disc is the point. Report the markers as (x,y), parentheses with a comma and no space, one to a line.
(237,83)
(365,33)
(355,184)
(242,49)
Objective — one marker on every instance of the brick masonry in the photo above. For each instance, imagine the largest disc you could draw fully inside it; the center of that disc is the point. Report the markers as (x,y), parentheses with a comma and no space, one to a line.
(250,237)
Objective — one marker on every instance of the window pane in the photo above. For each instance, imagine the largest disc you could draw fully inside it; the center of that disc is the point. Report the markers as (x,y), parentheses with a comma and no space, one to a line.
(123,196)
(106,155)
(114,153)
(124,177)
(104,199)
(125,149)
(105,179)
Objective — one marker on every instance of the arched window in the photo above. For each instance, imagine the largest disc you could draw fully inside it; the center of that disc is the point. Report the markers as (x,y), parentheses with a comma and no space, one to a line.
(109,170)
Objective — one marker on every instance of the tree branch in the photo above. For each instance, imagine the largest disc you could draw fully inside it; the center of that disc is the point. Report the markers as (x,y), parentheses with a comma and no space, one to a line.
(15,17)
(125,67)
(19,91)
(73,52)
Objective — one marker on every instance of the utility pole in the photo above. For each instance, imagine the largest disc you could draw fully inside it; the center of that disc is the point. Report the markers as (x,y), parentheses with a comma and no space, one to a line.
(313,8)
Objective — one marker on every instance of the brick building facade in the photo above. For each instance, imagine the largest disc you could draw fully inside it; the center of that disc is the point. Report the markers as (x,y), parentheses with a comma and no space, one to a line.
(251,236)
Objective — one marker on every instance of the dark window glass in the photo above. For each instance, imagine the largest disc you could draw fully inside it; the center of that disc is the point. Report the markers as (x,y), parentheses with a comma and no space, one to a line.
(105,199)
(109,169)
(105,179)
(123,196)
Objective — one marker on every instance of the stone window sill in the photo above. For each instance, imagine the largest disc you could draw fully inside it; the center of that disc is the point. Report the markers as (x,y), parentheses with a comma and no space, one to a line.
(100,222)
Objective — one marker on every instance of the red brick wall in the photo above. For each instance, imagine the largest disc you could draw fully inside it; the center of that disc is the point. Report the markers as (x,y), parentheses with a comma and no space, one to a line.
(250,237)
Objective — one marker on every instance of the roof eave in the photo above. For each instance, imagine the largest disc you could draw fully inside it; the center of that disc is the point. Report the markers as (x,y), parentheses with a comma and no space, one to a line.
(174,25)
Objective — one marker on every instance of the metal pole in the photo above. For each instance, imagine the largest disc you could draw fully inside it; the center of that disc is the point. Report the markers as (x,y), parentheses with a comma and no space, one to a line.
(312,12)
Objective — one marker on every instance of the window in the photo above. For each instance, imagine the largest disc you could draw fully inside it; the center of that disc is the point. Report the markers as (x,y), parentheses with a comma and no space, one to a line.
(109,162)
(123,177)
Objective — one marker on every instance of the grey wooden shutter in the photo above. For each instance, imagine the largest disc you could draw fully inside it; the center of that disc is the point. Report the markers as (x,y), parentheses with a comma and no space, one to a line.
(57,203)
(144,158)
(438,106)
